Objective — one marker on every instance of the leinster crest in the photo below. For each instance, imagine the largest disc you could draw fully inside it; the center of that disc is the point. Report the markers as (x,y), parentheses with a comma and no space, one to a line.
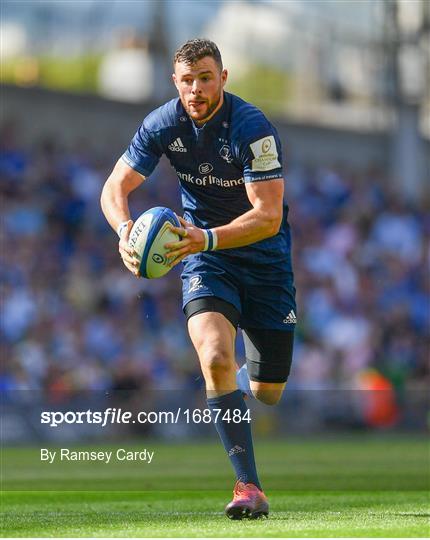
(225,153)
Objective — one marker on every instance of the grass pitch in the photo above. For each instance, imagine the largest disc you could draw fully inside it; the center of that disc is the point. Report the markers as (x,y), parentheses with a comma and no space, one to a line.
(339,488)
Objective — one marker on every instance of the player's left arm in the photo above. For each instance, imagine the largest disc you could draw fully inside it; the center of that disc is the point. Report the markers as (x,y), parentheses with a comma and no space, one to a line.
(261,221)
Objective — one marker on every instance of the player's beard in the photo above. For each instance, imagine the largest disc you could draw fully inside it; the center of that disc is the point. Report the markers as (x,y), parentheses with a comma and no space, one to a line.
(211,106)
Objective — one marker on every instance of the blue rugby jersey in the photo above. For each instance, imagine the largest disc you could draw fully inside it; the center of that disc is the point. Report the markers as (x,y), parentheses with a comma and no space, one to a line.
(213,163)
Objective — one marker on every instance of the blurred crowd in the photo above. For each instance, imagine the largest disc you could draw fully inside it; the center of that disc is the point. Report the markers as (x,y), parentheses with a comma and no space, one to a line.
(73,318)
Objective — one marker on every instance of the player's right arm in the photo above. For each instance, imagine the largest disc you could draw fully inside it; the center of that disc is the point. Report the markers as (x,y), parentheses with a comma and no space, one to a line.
(136,164)
(114,202)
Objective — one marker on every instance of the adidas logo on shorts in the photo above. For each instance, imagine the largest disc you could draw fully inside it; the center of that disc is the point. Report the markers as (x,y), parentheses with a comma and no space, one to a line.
(290,318)
(177,146)
(236,450)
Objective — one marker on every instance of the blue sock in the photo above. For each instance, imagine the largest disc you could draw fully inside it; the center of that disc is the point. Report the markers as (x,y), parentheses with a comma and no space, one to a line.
(236,436)
(243,382)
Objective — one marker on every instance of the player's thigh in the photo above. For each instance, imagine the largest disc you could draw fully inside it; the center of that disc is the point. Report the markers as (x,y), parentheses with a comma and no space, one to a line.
(213,337)
(211,303)
(269,355)
(268,321)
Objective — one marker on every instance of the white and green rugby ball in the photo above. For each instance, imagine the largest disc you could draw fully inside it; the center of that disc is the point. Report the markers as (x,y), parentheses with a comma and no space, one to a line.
(150,232)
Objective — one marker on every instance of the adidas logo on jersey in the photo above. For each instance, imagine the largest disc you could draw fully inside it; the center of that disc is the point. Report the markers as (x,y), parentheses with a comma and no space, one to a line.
(290,318)
(236,450)
(177,146)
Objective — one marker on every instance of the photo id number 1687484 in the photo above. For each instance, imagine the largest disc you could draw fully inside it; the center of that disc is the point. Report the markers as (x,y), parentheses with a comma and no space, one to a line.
(206,416)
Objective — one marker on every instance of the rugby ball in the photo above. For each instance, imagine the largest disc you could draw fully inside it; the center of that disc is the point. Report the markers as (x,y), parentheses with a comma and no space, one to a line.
(150,232)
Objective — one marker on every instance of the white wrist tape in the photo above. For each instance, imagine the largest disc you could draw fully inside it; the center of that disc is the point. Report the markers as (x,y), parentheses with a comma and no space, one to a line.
(121,227)
(211,240)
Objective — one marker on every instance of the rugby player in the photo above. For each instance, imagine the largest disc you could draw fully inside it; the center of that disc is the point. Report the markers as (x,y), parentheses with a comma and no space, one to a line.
(234,244)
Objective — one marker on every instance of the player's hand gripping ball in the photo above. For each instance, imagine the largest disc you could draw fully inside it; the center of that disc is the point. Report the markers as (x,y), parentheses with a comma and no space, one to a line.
(150,232)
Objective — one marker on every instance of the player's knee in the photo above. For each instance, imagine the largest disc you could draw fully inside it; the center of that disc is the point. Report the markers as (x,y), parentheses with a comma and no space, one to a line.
(216,361)
(267,393)
(267,397)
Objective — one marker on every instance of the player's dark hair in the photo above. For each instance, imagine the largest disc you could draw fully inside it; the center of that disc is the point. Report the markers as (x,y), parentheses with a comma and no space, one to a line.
(195,49)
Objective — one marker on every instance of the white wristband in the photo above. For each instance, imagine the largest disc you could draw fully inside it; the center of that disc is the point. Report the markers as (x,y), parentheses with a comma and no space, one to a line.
(121,227)
(214,240)
(211,240)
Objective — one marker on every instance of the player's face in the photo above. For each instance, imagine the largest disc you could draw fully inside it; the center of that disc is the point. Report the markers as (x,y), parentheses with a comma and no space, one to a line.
(200,87)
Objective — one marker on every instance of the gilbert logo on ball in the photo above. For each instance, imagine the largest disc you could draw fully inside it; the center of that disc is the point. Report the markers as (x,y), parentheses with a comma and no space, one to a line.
(150,232)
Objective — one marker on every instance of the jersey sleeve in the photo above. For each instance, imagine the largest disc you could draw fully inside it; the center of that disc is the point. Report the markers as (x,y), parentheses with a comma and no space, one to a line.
(261,156)
(144,151)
